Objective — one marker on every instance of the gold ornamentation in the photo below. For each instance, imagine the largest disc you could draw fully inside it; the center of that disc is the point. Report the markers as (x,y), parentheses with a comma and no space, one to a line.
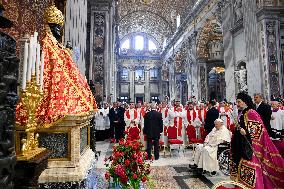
(54,15)
(30,98)
(248,175)
(208,34)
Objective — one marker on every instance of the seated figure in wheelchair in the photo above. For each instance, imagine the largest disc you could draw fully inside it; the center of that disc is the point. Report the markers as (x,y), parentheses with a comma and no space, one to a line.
(205,157)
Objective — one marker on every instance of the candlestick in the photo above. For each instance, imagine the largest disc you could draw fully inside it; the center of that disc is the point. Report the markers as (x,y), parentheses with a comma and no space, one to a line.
(34,45)
(29,72)
(25,64)
(41,71)
(37,62)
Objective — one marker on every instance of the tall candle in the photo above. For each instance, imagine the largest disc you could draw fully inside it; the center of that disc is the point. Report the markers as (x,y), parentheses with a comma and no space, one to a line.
(34,45)
(37,62)
(41,71)
(25,65)
(29,72)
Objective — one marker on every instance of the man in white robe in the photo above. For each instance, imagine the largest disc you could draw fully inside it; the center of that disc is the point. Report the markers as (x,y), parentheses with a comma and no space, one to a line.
(277,117)
(206,154)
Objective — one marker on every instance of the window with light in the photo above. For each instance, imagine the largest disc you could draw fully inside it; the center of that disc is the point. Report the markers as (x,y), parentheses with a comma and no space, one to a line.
(124,74)
(139,42)
(126,44)
(154,73)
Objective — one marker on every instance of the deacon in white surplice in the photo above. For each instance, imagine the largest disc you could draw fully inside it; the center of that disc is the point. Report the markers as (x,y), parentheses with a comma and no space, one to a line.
(277,117)
(206,154)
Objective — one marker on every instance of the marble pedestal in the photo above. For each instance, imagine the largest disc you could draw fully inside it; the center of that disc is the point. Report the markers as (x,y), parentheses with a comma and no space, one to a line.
(71,161)
(28,172)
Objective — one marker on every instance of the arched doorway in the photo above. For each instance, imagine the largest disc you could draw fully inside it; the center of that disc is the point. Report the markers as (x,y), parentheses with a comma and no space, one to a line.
(210,52)
(216,84)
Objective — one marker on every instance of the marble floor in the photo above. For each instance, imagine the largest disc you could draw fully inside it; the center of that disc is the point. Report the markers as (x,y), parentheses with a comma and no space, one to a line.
(169,172)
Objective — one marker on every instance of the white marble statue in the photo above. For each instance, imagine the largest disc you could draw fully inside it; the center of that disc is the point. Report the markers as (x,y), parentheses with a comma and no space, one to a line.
(241,78)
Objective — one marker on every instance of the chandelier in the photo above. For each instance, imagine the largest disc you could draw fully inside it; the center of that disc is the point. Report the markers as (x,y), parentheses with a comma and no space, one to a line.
(146,2)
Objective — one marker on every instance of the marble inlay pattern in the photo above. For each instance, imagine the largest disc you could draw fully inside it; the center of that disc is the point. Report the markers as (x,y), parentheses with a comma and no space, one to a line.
(57,143)
(83,139)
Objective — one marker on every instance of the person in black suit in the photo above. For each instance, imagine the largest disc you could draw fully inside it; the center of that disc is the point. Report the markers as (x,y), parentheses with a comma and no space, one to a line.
(211,116)
(153,127)
(265,112)
(117,124)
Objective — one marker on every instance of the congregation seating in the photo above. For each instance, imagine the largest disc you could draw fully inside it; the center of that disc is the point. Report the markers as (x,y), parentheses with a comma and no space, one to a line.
(192,137)
(173,140)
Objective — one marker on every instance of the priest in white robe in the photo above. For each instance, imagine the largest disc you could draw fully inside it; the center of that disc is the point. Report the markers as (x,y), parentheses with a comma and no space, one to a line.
(206,154)
(277,117)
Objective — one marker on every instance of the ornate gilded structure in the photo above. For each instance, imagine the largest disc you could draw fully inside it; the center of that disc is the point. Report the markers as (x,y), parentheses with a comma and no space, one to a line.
(28,147)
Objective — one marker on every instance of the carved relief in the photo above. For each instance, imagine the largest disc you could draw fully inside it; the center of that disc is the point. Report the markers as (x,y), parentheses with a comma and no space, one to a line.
(272,58)
(238,10)
(203,84)
(99,49)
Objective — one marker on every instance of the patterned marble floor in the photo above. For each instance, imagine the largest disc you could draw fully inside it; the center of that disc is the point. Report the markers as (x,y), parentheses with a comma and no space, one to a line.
(169,172)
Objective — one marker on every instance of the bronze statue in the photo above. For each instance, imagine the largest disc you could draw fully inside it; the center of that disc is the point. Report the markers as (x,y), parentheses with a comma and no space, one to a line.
(8,99)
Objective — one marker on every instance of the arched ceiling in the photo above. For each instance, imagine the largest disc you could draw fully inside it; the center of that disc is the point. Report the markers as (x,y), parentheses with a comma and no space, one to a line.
(154,17)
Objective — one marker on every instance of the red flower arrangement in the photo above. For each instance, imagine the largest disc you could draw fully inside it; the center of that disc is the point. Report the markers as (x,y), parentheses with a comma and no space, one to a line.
(127,165)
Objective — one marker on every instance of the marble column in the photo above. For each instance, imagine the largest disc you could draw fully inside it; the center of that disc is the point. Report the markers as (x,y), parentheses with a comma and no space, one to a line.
(202,81)
(254,66)
(147,86)
(132,84)
(229,52)
(269,25)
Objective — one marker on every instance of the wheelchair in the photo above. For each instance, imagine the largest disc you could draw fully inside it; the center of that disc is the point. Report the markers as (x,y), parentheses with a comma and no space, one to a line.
(223,156)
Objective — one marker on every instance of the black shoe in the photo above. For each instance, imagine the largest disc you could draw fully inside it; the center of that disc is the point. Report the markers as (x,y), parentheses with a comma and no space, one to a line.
(199,171)
(194,166)
(213,173)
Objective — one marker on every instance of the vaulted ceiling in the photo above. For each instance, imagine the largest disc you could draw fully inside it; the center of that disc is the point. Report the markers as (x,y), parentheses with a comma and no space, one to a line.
(154,17)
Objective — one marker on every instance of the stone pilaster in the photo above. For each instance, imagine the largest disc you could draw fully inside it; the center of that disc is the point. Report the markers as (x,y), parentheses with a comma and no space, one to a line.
(132,83)
(147,85)
(251,33)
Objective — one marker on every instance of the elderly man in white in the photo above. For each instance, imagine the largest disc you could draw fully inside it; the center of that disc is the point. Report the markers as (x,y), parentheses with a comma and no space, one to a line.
(206,154)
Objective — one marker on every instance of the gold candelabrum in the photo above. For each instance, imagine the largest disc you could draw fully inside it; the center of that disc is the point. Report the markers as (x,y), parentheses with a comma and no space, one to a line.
(30,98)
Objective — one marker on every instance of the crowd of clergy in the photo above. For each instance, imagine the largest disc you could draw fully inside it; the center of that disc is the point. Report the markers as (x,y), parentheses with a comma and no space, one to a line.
(204,124)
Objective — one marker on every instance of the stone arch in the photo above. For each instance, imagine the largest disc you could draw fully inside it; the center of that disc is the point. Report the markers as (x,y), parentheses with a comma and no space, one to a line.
(240,64)
(211,31)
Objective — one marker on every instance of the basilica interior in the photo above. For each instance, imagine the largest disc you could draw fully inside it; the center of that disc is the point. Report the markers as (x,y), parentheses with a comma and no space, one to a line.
(127,51)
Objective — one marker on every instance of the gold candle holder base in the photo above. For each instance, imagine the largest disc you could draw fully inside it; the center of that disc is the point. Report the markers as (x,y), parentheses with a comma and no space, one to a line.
(31,154)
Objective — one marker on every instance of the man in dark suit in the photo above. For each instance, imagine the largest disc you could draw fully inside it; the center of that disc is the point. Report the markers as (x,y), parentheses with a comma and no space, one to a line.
(264,110)
(211,116)
(117,124)
(153,127)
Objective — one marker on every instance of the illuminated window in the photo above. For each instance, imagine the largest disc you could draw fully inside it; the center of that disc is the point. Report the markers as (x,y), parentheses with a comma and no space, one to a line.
(124,74)
(152,46)
(139,74)
(125,44)
(139,42)
(154,73)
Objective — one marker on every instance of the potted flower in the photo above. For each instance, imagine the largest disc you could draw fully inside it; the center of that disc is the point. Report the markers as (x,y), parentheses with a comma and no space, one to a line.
(127,166)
